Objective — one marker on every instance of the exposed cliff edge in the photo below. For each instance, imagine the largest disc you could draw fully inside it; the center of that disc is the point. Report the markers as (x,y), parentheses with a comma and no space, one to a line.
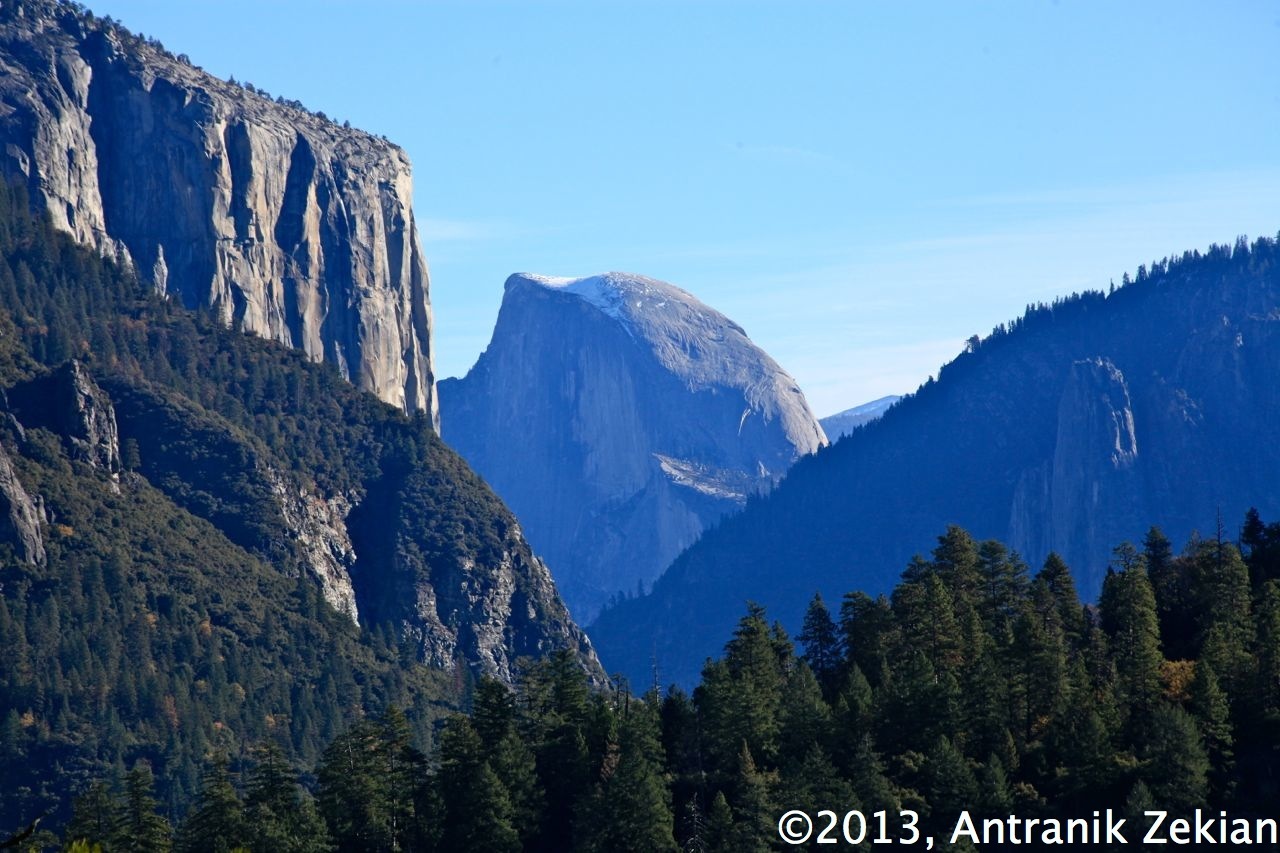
(69,403)
(618,416)
(20,515)
(279,221)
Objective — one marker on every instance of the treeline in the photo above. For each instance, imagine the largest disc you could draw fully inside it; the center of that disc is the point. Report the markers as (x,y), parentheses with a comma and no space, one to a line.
(973,686)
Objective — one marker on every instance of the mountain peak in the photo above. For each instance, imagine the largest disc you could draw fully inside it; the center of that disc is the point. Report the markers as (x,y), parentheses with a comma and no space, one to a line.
(643,416)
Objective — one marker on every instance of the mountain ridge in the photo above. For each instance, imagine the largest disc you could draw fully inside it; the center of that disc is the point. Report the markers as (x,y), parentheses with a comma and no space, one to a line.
(1023,437)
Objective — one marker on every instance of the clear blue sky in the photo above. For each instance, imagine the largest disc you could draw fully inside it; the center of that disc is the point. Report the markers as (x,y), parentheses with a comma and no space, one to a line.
(860,185)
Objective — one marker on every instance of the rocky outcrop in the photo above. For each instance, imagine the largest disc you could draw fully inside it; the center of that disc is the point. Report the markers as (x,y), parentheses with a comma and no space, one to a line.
(423,547)
(20,515)
(1074,429)
(69,403)
(618,416)
(1078,502)
(274,218)
(319,528)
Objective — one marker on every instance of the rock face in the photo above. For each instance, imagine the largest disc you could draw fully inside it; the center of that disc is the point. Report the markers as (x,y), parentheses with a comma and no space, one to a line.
(19,515)
(842,423)
(277,220)
(319,527)
(69,403)
(1073,430)
(618,417)
(400,546)
(1080,501)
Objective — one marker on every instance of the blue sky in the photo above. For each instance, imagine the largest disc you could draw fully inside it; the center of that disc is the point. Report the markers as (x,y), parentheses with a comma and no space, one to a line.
(860,185)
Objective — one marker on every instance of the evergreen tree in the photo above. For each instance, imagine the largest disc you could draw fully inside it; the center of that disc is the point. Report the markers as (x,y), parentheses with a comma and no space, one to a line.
(1004,584)
(1224,603)
(956,562)
(752,806)
(927,621)
(721,830)
(93,815)
(1267,646)
(867,775)
(477,807)
(804,717)
(1177,766)
(866,628)
(632,807)
(137,827)
(821,643)
(1130,610)
(740,697)
(1056,578)
(278,815)
(216,822)
(1171,584)
(1209,705)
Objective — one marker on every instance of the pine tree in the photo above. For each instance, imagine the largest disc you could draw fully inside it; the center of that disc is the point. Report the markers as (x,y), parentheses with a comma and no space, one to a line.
(1223,599)
(804,717)
(1171,584)
(137,827)
(93,815)
(1056,577)
(216,822)
(721,830)
(1209,705)
(752,805)
(1131,611)
(477,807)
(955,561)
(1004,585)
(866,626)
(632,807)
(949,783)
(867,775)
(926,617)
(821,643)
(994,790)
(813,784)
(1177,766)
(1267,646)
(740,696)
(278,815)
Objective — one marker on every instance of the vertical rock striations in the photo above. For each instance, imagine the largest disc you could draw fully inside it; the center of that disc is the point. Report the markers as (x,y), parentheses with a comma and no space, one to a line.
(618,416)
(20,515)
(279,221)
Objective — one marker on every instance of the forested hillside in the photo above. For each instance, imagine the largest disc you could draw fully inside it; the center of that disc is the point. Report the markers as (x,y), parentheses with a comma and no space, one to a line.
(209,544)
(973,686)
(1074,427)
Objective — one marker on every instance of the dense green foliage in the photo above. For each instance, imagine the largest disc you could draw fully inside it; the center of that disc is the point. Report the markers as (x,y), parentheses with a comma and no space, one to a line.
(973,686)
(172,619)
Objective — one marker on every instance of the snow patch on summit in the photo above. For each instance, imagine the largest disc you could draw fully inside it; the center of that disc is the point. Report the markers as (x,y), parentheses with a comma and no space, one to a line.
(598,290)
(624,297)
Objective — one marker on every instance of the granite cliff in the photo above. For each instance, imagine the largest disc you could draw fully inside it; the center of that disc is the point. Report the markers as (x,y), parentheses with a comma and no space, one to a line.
(618,416)
(1073,429)
(277,220)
